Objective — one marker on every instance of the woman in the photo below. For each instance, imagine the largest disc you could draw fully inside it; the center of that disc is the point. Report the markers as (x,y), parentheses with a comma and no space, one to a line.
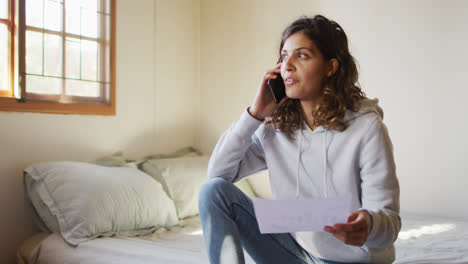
(325,139)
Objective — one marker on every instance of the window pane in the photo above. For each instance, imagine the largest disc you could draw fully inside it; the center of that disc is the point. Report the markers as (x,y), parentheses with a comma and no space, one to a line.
(89,23)
(89,18)
(34,12)
(82,88)
(53,12)
(81,17)
(89,4)
(89,60)
(43,85)
(33,52)
(4,9)
(72,17)
(72,58)
(4,59)
(53,55)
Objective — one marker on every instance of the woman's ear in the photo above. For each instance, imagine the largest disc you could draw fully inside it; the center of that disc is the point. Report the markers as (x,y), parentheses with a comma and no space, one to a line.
(333,65)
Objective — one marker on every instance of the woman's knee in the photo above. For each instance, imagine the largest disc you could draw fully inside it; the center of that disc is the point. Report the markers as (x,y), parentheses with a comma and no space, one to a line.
(212,186)
(213,190)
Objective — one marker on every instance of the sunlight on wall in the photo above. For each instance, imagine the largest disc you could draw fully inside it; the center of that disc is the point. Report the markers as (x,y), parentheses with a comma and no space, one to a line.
(426,230)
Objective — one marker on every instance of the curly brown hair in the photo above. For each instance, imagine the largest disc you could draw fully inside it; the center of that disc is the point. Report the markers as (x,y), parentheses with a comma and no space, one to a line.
(340,92)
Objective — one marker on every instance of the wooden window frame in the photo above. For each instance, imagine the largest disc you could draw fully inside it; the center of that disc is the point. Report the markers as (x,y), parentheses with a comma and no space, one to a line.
(10,23)
(8,102)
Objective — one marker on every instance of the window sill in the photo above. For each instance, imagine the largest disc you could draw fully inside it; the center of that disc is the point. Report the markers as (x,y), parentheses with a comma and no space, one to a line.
(10,104)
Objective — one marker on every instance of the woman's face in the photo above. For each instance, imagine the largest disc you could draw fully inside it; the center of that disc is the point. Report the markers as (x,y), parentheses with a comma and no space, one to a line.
(303,67)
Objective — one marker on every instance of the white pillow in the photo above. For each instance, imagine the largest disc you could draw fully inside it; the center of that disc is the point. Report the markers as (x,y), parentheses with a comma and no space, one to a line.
(41,213)
(115,160)
(182,178)
(182,152)
(260,183)
(245,187)
(87,201)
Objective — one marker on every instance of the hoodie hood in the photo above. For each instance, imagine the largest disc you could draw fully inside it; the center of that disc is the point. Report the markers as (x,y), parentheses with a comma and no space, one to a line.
(367,106)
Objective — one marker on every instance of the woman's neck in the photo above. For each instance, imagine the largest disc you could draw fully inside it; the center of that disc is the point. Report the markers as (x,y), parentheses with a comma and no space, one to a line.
(307,111)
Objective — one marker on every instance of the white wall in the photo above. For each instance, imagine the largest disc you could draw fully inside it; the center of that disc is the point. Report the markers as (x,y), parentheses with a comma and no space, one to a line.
(412,56)
(157,90)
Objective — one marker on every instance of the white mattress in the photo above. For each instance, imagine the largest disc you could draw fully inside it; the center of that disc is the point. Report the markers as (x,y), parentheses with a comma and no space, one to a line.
(175,245)
(421,240)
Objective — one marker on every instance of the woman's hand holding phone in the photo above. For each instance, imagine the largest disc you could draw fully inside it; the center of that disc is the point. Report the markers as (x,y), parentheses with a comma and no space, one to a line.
(264,104)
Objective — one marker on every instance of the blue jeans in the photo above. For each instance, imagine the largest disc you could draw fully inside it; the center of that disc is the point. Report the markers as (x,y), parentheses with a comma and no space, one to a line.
(229,226)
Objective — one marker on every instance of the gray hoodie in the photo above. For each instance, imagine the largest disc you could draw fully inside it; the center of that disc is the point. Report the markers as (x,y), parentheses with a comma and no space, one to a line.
(323,163)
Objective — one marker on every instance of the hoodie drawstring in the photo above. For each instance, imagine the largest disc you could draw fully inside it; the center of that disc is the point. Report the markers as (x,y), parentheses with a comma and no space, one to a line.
(325,162)
(298,164)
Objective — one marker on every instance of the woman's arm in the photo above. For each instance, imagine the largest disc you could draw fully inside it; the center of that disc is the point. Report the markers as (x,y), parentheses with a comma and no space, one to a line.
(239,151)
(380,187)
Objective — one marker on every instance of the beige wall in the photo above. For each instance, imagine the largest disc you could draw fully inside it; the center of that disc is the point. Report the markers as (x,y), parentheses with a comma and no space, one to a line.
(412,56)
(157,91)
(177,73)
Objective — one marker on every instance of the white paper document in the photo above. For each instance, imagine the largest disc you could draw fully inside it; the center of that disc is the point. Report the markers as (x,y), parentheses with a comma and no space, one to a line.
(285,216)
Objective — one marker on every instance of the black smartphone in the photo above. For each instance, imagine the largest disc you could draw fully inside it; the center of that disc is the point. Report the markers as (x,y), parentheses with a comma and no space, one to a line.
(277,88)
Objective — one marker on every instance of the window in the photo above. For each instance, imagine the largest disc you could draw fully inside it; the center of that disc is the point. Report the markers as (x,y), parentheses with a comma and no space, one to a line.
(66,56)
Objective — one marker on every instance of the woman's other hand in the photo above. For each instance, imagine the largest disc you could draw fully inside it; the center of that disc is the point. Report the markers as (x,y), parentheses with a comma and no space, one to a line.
(264,104)
(356,231)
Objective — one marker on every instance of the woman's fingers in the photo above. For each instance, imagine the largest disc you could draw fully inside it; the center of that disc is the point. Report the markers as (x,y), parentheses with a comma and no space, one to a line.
(355,232)
(277,69)
(272,76)
(264,102)
(352,238)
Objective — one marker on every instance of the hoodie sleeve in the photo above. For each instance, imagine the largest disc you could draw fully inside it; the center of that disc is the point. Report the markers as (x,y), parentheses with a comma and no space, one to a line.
(239,151)
(380,187)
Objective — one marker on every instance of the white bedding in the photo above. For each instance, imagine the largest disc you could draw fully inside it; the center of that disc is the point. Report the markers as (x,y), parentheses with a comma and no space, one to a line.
(425,239)
(175,245)
(421,240)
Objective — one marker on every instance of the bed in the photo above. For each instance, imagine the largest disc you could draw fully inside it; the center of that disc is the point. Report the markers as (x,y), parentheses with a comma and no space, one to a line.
(421,240)
(116,210)
(165,245)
